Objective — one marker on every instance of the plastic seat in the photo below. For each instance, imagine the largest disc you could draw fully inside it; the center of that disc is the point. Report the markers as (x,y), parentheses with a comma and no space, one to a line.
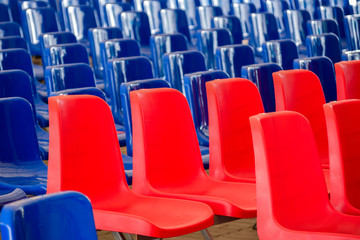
(311,6)
(103,10)
(321,26)
(230,104)
(261,75)
(33,4)
(97,35)
(264,28)
(347,83)
(5,13)
(292,199)
(115,206)
(231,58)
(342,128)
(177,64)
(335,13)
(184,176)
(189,6)
(113,13)
(24,220)
(295,24)
(350,55)
(63,15)
(324,69)
(204,15)
(8,196)
(21,166)
(10,29)
(165,43)
(343,4)
(277,8)
(326,44)
(152,9)
(68,53)
(140,4)
(352,31)
(13,42)
(259,5)
(243,11)
(225,6)
(282,52)
(301,91)
(175,21)
(135,25)
(208,40)
(232,24)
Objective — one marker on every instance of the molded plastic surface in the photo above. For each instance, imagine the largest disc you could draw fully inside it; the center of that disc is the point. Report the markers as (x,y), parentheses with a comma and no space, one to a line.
(335,13)
(135,25)
(204,15)
(8,196)
(5,13)
(103,10)
(295,25)
(152,9)
(63,14)
(230,104)
(282,52)
(77,156)
(174,21)
(68,53)
(321,26)
(352,31)
(277,8)
(232,24)
(10,29)
(351,55)
(113,12)
(326,44)
(243,11)
(13,42)
(347,83)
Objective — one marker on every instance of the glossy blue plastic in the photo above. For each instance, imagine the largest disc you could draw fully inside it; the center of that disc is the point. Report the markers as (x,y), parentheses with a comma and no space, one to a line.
(326,44)
(10,29)
(38,21)
(295,25)
(125,70)
(195,92)
(13,42)
(64,215)
(152,9)
(336,13)
(324,69)
(282,52)
(14,8)
(243,11)
(277,8)
(84,91)
(310,6)
(63,16)
(136,25)
(68,53)
(351,55)
(8,196)
(209,39)
(225,6)
(204,15)
(189,6)
(264,28)
(23,5)
(113,13)
(5,13)
(125,89)
(20,159)
(352,31)
(103,9)
(165,43)
(175,21)
(321,26)
(97,35)
(177,64)
(232,24)
(231,58)
(343,4)
(261,75)
(140,4)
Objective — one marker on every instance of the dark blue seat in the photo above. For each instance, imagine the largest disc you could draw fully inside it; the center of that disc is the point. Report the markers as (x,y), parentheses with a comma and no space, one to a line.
(282,52)
(232,24)
(63,15)
(335,13)
(261,75)
(136,25)
(67,53)
(175,21)
(165,43)
(14,9)
(243,11)
(5,13)
(352,31)
(195,92)
(113,13)
(64,215)
(189,6)
(278,8)
(324,69)
(13,42)
(225,6)
(21,165)
(177,64)
(23,5)
(204,15)
(8,196)
(326,44)
(231,58)
(351,55)
(209,39)
(152,9)
(97,35)
(140,4)
(310,6)
(295,24)
(113,4)
(10,29)
(323,26)
(343,4)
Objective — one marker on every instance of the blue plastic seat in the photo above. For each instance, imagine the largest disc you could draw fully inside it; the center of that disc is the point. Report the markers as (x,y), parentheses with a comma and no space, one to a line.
(326,44)
(231,58)
(264,28)
(278,8)
(21,165)
(323,26)
(352,31)
(175,21)
(351,55)
(136,25)
(165,43)
(189,6)
(68,53)
(243,11)
(103,11)
(35,22)
(113,13)
(195,92)
(63,15)
(97,35)
(310,6)
(5,13)
(261,75)
(204,15)
(152,9)
(232,24)
(14,9)
(335,13)
(8,196)
(323,67)
(64,215)
(295,25)
(177,64)
(10,29)
(13,42)
(343,4)
(140,4)
(23,5)
(225,6)
(282,52)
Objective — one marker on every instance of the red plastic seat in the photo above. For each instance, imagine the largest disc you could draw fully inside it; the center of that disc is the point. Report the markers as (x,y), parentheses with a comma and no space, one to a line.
(92,165)
(347,79)
(162,123)
(292,199)
(230,104)
(343,126)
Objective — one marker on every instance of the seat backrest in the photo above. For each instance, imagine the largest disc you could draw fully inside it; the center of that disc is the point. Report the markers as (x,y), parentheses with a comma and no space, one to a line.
(65,215)
(10,29)
(321,26)
(177,64)
(243,12)
(5,13)
(113,12)
(225,6)
(232,24)
(352,31)
(204,15)
(175,21)
(310,6)
(104,17)
(125,90)
(13,42)
(230,104)
(277,8)
(261,75)
(68,76)
(335,13)
(301,91)
(63,14)
(68,53)
(189,6)
(84,144)
(347,84)
(295,25)
(230,58)
(342,120)
(351,55)
(136,25)
(282,52)
(33,4)
(162,123)
(326,44)
(324,69)
(152,9)
(290,184)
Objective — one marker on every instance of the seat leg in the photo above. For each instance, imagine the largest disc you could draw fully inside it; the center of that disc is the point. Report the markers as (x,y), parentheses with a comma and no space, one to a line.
(255,226)
(140,237)
(118,236)
(206,234)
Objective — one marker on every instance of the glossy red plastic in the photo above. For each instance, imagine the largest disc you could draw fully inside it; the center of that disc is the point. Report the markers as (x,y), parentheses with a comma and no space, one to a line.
(301,91)
(167,159)
(347,79)
(292,198)
(342,121)
(230,104)
(85,156)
